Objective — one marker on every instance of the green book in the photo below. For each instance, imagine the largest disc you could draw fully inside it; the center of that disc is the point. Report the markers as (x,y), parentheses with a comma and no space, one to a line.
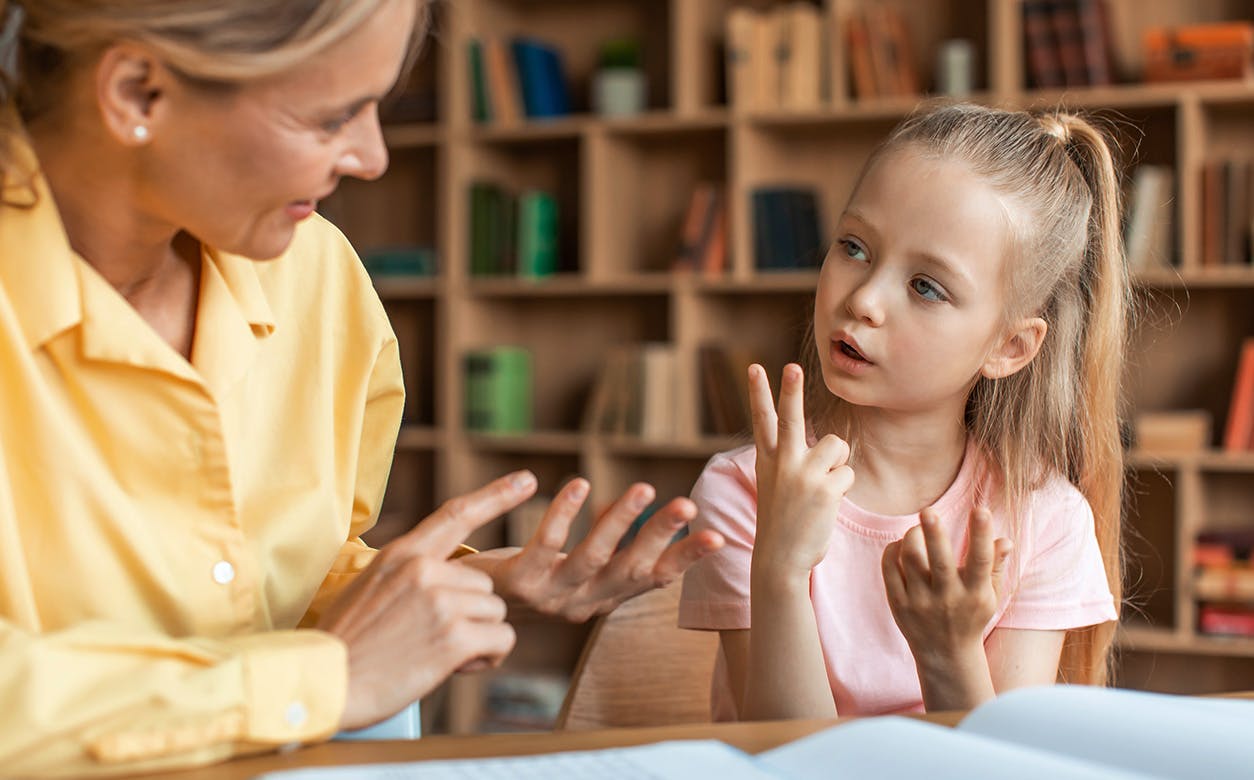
(481,229)
(537,234)
(478,83)
(498,390)
(400,261)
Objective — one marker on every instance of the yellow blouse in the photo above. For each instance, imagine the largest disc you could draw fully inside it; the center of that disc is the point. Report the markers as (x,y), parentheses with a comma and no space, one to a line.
(166,526)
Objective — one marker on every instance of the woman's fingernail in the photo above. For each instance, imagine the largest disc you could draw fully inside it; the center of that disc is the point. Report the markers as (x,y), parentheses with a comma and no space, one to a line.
(523,480)
(578,490)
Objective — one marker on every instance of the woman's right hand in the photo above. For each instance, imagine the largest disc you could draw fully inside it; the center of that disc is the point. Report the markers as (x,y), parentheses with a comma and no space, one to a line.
(413,617)
(799,487)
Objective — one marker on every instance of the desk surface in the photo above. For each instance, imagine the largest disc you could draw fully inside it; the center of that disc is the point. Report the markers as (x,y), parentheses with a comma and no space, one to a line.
(751,737)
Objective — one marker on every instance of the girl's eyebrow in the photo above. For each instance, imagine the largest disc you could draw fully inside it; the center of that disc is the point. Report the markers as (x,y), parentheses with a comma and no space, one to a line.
(858,217)
(947,268)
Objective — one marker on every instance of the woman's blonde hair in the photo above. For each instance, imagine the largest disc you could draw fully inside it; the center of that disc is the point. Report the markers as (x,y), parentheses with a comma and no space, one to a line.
(1060,414)
(217,44)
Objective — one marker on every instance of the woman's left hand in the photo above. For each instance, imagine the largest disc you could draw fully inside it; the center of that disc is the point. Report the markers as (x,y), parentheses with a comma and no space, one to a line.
(595,577)
(941,608)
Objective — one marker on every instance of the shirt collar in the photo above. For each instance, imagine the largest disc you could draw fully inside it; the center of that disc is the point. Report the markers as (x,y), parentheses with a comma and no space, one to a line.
(41,271)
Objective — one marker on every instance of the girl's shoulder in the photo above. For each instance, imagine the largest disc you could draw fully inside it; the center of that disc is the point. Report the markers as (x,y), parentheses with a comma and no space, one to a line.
(739,463)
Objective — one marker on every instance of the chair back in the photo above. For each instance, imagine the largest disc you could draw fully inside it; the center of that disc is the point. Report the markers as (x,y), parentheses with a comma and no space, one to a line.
(638,668)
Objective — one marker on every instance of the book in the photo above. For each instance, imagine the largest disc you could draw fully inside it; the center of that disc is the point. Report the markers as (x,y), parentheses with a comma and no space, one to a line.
(1187,430)
(1149,236)
(1057,732)
(498,394)
(542,77)
(802,77)
(481,110)
(1064,15)
(1044,67)
(703,239)
(1214,212)
(1225,620)
(503,90)
(537,234)
(1236,211)
(861,63)
(1239,431)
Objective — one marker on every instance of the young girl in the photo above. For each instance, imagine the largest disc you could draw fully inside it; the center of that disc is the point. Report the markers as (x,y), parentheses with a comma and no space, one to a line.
(968,333)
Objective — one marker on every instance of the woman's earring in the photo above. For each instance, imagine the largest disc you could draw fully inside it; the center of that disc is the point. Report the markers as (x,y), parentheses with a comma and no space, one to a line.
(140,133)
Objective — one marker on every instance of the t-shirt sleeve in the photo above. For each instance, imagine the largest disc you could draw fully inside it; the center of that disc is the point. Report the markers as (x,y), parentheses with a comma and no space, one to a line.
(716,588)
(1063,581)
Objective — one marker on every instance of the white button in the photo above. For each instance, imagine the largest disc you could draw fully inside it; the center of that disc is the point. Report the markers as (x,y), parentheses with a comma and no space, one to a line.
(223,572)
(296,714)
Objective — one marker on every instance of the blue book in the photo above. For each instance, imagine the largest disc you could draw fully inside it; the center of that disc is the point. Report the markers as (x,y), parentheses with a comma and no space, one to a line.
(542,77)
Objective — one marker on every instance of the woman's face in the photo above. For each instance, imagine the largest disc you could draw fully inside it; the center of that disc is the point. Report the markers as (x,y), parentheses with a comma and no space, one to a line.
(238,170)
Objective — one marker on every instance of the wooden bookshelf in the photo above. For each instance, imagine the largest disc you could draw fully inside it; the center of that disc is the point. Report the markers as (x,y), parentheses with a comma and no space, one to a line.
(622,186)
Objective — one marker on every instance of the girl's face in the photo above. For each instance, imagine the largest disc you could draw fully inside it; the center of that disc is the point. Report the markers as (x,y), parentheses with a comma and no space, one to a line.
(910,301)
(239,170)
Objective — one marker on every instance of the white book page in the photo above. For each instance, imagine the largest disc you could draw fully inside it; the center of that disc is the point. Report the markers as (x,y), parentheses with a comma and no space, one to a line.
(1155,734)
(678,760)
(897,748)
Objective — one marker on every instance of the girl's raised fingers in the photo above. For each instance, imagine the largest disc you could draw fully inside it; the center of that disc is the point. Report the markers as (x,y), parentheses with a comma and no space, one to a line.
(762,409)
(792,419)
(940,553)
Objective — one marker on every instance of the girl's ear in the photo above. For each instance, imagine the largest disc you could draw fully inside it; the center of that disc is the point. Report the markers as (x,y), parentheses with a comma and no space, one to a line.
(1016,350)
(130,83)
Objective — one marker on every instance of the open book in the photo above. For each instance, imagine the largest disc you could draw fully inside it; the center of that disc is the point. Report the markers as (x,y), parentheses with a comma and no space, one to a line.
(1051,732)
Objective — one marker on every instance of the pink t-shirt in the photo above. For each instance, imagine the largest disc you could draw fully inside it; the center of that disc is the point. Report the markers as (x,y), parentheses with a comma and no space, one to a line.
(1055,579)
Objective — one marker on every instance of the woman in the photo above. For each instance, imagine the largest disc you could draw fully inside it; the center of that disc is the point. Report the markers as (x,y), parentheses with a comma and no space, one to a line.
(200,396)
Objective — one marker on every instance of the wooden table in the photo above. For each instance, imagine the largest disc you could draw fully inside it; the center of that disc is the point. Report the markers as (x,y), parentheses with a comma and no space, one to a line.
(750,737)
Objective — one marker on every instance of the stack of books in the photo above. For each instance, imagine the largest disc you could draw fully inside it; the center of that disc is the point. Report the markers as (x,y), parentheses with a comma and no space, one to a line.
(787,232)
(521,78)
(1227,211)
(512,235)
(499,390)
(1223,582)
(881,55)
(1067,43)
(775,58)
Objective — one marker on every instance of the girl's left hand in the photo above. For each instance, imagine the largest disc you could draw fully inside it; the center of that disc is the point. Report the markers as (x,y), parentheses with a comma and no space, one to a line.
(941,608)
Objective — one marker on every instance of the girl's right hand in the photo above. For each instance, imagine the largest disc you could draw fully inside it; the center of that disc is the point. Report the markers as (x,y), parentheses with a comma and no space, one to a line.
(412,617)
(799,487)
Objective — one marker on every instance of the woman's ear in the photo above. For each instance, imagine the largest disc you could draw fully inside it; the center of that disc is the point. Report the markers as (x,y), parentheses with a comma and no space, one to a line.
(130,82)
(1017,348)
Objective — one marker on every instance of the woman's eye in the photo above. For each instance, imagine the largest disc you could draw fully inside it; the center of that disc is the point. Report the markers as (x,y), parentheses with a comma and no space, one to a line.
(927,290)
(853,249)
(337,124)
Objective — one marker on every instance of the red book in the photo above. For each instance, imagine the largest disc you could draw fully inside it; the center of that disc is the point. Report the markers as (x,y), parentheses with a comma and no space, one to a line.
(1230,621)
(1239,434)
(1095,41)
(1044,67)
(1065,15)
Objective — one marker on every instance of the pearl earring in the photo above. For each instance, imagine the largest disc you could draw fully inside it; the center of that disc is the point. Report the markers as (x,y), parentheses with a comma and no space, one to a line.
(140,133)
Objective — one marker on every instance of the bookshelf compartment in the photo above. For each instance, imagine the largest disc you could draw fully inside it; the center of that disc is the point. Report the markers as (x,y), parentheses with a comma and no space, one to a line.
(1229,497)
(825,156)
(763,327)
(414,324)
(643,185)
(410,496)
(1129,19)
(1184,354)
(1150,568)
(578,31)
(568,343)
(518,164)
(368,212)
(928,26)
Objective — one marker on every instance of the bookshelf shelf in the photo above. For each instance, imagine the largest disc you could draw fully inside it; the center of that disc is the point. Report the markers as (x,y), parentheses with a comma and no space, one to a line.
(417,438)
(1143,639)
(407,289)
(409,136)
(622,187)
(544,442)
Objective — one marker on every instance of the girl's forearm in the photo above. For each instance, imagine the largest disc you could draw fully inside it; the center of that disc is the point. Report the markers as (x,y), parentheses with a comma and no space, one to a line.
(955,681)
(787,676)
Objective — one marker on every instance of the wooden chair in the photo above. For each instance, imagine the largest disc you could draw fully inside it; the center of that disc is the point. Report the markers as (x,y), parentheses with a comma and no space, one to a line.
(639,669)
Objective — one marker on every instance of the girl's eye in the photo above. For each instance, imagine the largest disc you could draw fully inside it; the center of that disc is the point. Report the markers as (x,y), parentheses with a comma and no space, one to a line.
(337,124)
(853,250)
(927,290)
